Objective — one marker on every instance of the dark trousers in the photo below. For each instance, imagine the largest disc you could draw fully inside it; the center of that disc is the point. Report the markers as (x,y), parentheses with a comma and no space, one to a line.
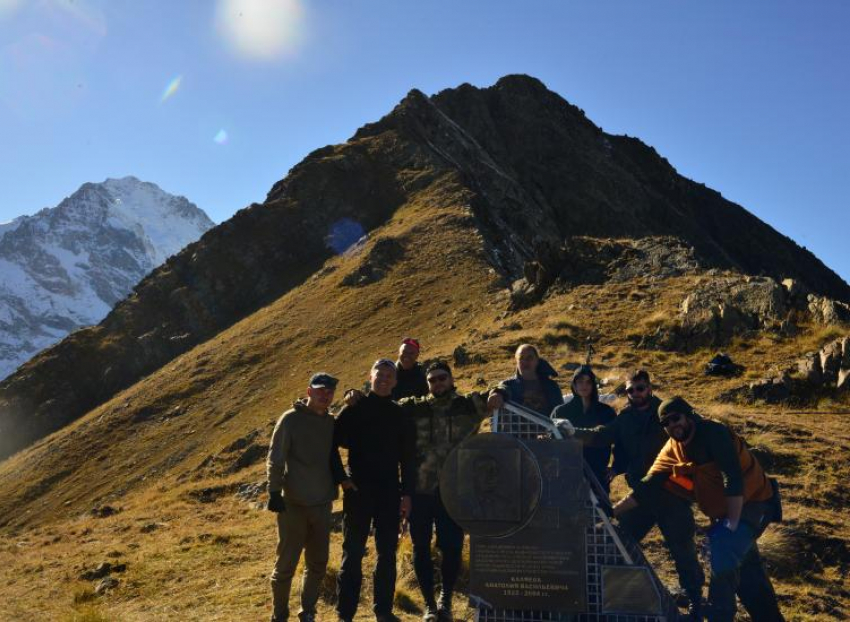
(360,510)
(430,515)
(675,519)
(736,568)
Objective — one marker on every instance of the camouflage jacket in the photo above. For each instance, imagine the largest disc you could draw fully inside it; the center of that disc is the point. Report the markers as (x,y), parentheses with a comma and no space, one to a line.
(441,423)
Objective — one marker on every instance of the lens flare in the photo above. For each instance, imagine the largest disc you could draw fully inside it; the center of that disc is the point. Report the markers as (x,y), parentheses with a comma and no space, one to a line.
(171,89)
(343,234)
(8,7)
(261,29)
(221,137)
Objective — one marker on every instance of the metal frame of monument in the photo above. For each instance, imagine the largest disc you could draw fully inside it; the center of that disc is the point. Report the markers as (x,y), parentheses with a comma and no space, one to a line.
(607,547)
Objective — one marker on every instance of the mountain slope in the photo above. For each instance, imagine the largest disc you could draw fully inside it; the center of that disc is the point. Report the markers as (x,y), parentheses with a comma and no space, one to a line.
(66,267)
(178,456)
(536,171)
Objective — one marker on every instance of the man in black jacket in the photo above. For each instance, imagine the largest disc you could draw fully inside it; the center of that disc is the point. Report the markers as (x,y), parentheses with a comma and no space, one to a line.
(410,374)
(381,446)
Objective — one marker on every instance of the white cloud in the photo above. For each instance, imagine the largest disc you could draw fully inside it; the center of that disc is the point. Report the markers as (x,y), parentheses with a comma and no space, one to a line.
(261,29)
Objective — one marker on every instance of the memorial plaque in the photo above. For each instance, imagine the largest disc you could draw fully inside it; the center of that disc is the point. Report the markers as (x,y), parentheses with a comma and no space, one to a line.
(541,562)
(491,484)
(629,589)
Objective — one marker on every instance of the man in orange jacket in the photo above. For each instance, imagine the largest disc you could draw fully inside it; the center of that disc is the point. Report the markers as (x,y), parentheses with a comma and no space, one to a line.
(706,462)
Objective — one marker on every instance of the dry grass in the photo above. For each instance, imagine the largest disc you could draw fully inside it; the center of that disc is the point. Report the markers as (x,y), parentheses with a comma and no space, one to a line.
(196,551)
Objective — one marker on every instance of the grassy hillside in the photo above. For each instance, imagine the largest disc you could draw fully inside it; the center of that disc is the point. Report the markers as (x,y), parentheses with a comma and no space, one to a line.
(177,454)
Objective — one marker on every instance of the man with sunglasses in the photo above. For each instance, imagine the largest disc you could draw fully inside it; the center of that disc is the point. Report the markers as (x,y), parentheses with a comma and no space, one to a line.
(380,444)
(706,462)
(638,436)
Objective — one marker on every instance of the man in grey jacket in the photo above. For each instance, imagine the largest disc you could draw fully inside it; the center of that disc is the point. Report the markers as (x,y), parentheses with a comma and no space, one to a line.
(303,473)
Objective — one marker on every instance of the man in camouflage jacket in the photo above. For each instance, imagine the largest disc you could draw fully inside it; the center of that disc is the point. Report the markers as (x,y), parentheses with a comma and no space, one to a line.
(442,420)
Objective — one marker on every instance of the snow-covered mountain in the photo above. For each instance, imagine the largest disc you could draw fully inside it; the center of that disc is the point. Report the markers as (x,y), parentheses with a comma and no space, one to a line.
(66,266)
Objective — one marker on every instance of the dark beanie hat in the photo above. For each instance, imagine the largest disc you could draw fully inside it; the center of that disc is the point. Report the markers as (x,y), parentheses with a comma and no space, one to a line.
(675,405)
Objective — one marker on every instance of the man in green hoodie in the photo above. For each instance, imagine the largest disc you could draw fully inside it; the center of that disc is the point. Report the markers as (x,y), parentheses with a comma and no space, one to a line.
(303,473)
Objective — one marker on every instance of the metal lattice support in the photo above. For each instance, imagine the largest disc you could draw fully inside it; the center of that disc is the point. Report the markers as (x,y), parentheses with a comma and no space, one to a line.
(606,546)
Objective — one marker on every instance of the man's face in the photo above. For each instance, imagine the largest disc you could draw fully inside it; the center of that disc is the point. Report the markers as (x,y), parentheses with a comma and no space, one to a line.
(320,398)
(407,355)
(639,392)
(583,386)
(440,382)
(678,426)
(383,380)
(526,361)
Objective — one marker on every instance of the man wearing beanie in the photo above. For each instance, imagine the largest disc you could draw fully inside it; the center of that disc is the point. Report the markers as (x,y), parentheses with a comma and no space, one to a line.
(637,437)
(706,462)
(586,411)
(303,473)
(380,445)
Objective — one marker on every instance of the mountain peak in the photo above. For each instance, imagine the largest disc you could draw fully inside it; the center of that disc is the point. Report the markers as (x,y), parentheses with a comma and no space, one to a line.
(66,266)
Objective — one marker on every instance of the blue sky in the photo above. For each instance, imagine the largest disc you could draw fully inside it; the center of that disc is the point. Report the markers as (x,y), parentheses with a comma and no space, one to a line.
(750,98)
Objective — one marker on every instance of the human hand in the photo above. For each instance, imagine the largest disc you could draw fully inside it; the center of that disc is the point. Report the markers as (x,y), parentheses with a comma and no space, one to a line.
(276,503)
(352,396)
(495,401)
(566,427)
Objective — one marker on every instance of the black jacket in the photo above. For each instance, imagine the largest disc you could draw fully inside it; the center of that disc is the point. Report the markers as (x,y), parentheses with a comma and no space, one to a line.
(381,444)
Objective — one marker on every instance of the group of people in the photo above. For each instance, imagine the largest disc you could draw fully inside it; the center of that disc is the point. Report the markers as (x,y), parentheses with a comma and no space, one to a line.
(400,431)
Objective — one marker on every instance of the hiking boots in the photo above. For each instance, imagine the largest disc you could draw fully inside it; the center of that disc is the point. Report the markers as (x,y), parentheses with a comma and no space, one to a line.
(431,613)
(444,608)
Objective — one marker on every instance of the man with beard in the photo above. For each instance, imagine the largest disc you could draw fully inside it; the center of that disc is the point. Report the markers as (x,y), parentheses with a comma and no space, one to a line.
(411,374)
(638,436)
(442,420)
(380,445)
(706,462)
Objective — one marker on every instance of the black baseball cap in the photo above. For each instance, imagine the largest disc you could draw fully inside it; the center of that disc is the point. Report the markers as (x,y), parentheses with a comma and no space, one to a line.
(324,380)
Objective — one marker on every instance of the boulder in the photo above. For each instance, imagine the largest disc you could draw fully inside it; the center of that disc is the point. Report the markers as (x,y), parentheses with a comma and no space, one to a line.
(827,311)
(809,368)
(770,390)
(845,353)
(830,361)
(106,584)
(721,308)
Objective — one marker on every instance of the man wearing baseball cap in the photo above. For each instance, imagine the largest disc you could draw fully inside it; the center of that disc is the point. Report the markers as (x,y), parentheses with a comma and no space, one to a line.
(382,470)
(303,472)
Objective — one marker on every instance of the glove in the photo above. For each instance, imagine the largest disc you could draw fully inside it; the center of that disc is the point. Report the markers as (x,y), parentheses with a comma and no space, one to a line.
(276,503)
(566,427)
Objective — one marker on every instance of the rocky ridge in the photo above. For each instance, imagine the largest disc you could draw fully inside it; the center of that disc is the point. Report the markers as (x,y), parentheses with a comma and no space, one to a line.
(535,174)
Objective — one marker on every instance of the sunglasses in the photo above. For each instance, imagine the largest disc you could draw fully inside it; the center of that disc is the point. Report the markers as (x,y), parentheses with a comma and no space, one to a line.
(438,378)
(673,418)
(636,388)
